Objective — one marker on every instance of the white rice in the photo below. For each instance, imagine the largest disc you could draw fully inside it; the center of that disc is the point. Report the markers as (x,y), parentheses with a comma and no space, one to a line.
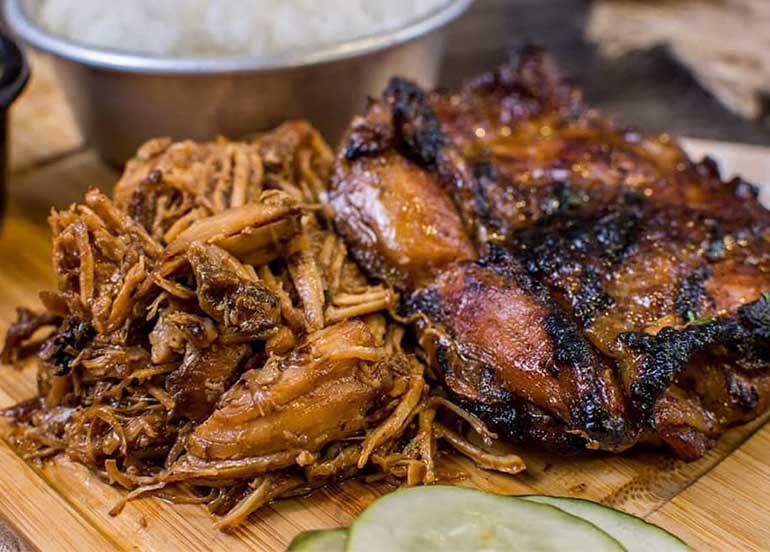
(224,27)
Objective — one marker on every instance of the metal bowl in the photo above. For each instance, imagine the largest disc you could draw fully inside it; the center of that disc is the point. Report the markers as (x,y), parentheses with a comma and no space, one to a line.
(121,98)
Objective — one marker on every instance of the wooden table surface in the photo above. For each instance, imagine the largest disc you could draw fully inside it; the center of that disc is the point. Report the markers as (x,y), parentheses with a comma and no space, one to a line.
(719,503)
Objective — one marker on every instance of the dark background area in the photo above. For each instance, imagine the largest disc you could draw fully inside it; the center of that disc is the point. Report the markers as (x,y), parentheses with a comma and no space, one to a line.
(649,90)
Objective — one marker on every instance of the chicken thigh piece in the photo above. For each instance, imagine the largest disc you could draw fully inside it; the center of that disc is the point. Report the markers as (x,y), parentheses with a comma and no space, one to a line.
(390,205)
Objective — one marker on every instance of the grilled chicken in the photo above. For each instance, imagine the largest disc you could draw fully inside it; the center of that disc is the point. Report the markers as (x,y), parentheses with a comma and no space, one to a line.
(498,339)
(397,218)
(538,150)
(614,291)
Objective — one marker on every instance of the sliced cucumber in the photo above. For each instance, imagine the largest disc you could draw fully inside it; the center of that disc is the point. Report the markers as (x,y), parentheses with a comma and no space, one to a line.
(635,534)
(324,540)
(441,518)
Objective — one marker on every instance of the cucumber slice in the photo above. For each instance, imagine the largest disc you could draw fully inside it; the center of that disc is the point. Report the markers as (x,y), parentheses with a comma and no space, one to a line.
(324,540)
(635,534)
(442,518)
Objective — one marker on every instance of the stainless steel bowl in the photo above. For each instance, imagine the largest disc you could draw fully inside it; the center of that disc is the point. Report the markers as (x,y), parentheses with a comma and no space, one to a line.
(121,98)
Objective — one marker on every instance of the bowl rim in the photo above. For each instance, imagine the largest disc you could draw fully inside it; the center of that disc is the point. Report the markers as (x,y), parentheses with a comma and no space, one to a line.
(24,26)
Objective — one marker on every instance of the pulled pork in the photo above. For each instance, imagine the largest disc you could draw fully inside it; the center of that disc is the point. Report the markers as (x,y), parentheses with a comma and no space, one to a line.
(213,342)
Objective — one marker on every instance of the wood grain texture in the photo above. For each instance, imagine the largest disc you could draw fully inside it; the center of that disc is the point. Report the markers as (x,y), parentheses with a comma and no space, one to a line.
(39,511)
(727,510)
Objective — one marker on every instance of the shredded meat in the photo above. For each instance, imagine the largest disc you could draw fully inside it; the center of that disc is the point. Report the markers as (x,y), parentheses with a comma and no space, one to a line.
(212,342)
(231,294)
(26,325)
(203,376)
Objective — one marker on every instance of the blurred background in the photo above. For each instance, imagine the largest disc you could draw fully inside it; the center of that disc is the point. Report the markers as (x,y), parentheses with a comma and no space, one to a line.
(694,68)
(689,67)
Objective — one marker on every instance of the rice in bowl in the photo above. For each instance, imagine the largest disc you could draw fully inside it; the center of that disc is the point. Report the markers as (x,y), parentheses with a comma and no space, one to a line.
(256,28)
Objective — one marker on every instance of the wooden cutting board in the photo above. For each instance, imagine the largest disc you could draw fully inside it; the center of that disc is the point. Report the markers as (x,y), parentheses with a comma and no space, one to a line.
(716,503)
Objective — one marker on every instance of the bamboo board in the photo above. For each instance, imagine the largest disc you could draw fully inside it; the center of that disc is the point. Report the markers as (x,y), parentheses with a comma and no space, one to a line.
(716,503)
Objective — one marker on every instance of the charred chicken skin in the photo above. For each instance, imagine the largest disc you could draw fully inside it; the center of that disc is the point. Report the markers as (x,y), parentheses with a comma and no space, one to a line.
(499,340)
(614,291)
